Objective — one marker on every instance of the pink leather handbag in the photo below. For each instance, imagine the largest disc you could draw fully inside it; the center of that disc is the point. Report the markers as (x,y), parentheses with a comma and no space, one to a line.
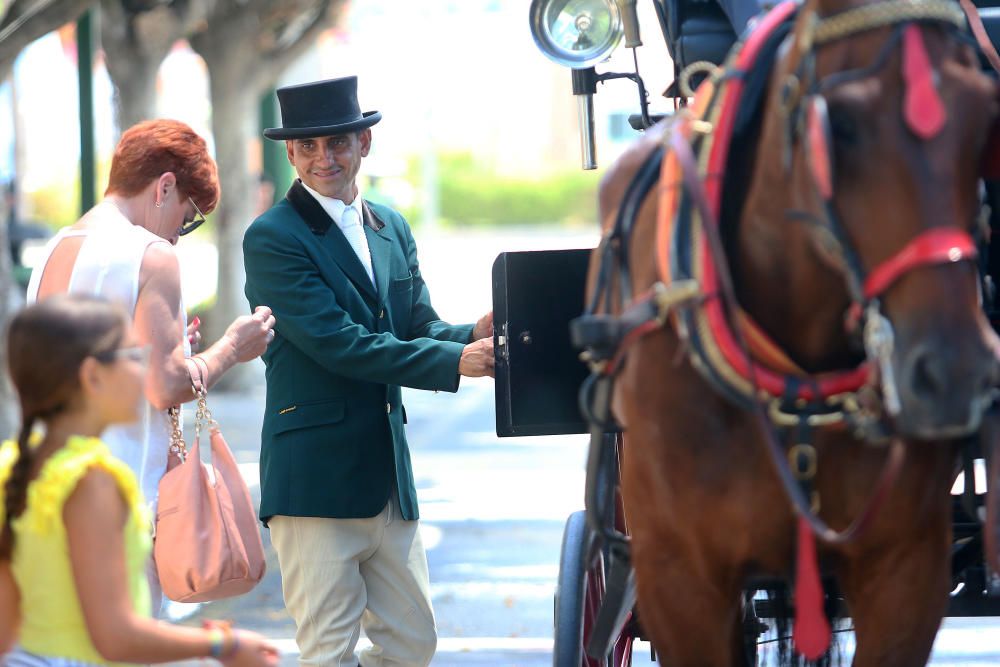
(208,544)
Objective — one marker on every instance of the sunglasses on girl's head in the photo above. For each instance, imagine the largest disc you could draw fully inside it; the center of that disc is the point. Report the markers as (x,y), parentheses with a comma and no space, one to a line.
(199,219)
(136,353)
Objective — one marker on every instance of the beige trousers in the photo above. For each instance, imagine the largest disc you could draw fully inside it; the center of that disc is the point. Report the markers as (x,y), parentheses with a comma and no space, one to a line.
(339,575)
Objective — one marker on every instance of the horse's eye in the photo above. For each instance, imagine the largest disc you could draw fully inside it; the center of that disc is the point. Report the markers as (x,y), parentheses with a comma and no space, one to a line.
(844,127)
(965,56)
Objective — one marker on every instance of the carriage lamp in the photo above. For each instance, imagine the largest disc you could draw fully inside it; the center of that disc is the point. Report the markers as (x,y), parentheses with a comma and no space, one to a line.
(576,33)
(579,34)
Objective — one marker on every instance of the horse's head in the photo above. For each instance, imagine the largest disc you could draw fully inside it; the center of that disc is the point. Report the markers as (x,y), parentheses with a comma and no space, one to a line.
(870,169)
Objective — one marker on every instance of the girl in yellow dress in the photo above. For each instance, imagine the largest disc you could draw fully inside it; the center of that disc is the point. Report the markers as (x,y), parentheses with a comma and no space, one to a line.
(74,530)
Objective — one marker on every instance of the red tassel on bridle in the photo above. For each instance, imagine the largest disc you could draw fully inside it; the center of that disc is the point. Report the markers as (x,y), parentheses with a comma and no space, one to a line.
(923,109)
(811,632)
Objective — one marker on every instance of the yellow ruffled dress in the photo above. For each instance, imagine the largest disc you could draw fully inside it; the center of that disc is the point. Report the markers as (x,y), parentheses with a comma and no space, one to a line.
(52,622)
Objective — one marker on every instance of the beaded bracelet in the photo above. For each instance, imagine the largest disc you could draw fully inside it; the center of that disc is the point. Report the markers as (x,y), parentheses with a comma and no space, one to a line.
(235,647)
(219,633)
(217,639)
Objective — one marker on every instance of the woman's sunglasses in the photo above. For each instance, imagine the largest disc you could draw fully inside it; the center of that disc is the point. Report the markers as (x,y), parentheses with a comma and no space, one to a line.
(199,219)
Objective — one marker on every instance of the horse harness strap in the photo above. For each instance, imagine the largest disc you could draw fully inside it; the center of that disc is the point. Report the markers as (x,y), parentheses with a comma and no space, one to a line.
(805,108)
(979,32)
(694,283)
(695,291)
(880,15)
(607,338)
(797,469)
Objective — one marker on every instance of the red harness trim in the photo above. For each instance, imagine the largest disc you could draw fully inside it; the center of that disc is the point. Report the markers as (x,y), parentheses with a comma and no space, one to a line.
(932,247)
(941,245)
(820,386)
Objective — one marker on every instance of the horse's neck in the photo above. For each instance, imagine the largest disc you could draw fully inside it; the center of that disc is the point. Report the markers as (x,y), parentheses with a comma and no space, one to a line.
(779,278)
(800,304)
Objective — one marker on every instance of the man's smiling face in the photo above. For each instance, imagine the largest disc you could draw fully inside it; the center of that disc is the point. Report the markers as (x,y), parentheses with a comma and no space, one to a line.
(329,165)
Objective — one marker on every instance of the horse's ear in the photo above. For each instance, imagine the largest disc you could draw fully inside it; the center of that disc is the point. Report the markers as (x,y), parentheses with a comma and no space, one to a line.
(990,166)
(819,145)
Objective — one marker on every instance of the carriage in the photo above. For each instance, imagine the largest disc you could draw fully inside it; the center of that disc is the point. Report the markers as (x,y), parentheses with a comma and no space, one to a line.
(543,388)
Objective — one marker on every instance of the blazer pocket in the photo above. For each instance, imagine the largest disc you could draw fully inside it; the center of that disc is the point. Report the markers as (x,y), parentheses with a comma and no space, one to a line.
(401,284)
(309,414)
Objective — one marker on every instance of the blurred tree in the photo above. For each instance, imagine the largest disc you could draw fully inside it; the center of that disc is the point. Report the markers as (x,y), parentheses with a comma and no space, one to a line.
(10,300)
(21,23)
(246,45)
(137,35)
(24,21)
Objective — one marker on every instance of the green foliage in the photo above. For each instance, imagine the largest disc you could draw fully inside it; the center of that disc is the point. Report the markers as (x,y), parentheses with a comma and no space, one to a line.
(55,204)
(471,193)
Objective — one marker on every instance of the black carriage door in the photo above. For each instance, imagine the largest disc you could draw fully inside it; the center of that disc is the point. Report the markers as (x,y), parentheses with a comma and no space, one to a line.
(538,373)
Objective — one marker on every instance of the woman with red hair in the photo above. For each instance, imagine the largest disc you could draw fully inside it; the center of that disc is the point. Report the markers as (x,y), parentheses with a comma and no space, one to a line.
(162,183)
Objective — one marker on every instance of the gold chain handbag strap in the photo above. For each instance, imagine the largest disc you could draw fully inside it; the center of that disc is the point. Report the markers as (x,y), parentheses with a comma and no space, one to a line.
(177,447)
(202,415)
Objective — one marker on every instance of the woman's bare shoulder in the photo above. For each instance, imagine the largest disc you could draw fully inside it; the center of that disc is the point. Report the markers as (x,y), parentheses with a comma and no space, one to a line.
(160,264)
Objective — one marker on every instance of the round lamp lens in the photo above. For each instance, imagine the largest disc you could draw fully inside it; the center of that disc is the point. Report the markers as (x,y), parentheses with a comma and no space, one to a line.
(576,33)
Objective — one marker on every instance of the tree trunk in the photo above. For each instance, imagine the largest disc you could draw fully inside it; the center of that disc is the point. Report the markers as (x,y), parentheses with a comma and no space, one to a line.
(23,22)
(11,299)
(135,43)
(245,49)
(234,125)
(19,203)
(135,88)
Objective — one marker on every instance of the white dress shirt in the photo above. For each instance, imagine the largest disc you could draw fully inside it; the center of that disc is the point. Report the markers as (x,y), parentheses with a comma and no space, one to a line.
(351,225)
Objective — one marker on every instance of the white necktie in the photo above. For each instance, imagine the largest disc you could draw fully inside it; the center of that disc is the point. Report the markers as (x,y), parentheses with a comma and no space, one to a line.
(350,224)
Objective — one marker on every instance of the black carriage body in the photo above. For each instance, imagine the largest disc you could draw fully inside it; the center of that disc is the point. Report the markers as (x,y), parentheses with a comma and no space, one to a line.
(538,373)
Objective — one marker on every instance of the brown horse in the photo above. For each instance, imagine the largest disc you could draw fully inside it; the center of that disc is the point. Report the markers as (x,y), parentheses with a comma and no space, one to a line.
(869,135)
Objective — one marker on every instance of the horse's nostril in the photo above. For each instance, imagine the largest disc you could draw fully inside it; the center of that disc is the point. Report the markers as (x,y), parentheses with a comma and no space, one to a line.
(935,377)
(927,381)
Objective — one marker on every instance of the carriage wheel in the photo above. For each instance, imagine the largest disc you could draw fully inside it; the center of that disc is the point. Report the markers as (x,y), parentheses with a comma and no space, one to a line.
(753,628)
(579,593)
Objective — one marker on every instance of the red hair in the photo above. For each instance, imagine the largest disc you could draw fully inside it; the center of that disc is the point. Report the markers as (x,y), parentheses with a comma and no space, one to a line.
(154,147)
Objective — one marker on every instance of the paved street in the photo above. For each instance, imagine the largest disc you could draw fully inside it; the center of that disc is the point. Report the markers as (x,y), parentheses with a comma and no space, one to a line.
(493,509)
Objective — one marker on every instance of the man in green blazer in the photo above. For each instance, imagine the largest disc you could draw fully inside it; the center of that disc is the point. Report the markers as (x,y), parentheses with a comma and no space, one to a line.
(354,324)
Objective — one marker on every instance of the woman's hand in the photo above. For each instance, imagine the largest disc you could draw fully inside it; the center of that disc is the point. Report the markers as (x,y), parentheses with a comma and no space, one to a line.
(193,335)
(252,650)
(250,335)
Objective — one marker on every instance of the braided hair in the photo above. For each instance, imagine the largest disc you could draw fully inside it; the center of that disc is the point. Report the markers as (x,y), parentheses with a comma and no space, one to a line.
(46,345)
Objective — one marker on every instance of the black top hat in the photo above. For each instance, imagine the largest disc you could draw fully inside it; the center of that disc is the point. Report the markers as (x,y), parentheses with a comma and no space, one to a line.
(321,109)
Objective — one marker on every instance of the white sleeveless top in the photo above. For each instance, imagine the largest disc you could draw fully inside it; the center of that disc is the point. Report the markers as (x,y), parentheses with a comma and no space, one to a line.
(108,266)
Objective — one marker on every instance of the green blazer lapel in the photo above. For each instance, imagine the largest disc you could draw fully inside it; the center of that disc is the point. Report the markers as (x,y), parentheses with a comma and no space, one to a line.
(380,246)
(321,224)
